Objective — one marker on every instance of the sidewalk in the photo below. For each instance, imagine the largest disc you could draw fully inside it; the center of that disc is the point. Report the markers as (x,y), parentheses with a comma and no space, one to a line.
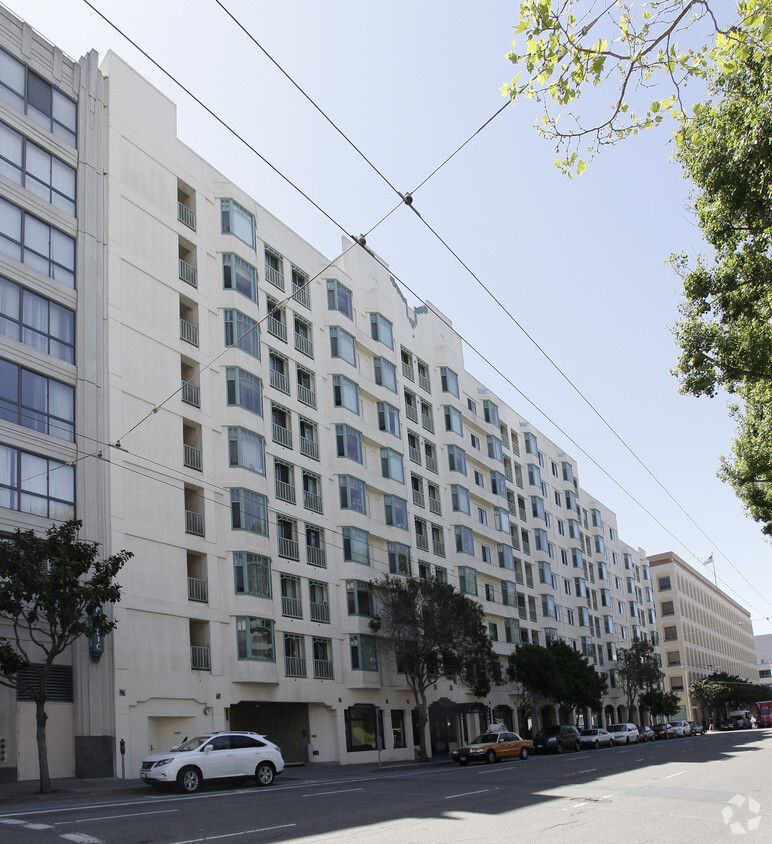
(29,790)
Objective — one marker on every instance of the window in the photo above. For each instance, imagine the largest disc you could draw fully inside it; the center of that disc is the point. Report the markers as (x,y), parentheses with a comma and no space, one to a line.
(453,420)
(356,545)
(237,221)
(252,574)
(456,459)
(385,374)
(571,503)
(581,587)
(323,669)
(482,516)
(459,497)
(537,507)
(531,445)
(36,244)
(243,332)
(345,393)
(501,519)
(36,321)
(339,298)
(398,728)
(472,405)
(244,390)
(391,465)
(467,580)
(249,511)
(315,553)
(361,731)
(246,449)
(279,369)
(534,475)
(44,175)
(359,598)
(352,494)
(663,583)
(399,559)
(274,267)
(34,484)
(254,638)
(498,484)
(495,450)
(349,442)
(464,540)
(667,608)
(364,657)
(486,557)
(449,381)
(39,100)
(388,418)
(395,509)
(600,546)
(475,440)
(490,412)
(343,345)
(34,401)
(545,573)
(506,557)
(381,330)
(238,275)
(548,606)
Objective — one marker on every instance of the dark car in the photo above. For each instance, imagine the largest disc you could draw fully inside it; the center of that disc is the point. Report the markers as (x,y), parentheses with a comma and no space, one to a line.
(645,733)
(697,728)
(557,738)
(663,731)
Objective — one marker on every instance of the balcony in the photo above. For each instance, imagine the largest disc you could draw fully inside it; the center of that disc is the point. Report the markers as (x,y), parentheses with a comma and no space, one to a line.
(414,454)
(312,501)
(191,394)
(294,666)
(424,383)
(306,396)
(438,546)
(431,464)
(304,345)
(198,590)
(422,542)
(316,557)
(285,491)
(188,273)
(309,448)
(434,506)
(288,548)
(186,216)
(320,612)
(408,371)
(277,328)
(280,381)
(411,413)
(418,498)
(194,523)
(427,422)
(282,435)
(291,607)
(512,507)
(192,457)
(274,276)
(323,669)
(188,332)
(199,658)
(301,295)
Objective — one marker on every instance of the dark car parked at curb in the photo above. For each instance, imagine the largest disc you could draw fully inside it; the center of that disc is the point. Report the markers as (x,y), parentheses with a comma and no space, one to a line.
(557,738)
(645,734)
(664,731)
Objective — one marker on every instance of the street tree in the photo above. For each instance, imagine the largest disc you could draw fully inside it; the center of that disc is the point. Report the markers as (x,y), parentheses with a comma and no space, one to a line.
(431,630)
(637,669)
(575,683)
(530,666)
(660,704)
(54,590)
(725,326)
(639,57)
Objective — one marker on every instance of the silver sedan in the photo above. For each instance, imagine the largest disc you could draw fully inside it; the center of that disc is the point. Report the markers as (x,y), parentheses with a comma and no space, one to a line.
(596,737)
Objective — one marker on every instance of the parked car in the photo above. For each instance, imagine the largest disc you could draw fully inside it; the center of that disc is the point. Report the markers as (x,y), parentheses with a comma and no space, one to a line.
(557,738)
(698,728)
(224,755)
(663,731)
(682,728)
(645,734)
(595,737)
(624,733)
(493,747)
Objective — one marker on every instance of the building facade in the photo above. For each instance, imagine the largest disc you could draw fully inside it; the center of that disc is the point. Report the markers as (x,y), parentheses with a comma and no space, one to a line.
(702,630)
(52,355)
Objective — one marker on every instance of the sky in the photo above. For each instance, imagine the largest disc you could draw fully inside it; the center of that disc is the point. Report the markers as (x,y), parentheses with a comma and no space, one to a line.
(580,264)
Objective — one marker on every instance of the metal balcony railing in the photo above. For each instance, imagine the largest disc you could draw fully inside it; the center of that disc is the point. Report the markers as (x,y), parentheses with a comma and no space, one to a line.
(418,498)
(438,547)
(277,328)
(306,396)
(280,381)
(192,457)
(274,276)
(422,542)
(186,216)
(411,413)
(414,454)
(191,394)
(188,273)
(312,501)
(316,556)
(288,548)
(408,371)
(291,607)
(199,658)
(282,435)
(198,590)
(304,345)
(434,506)
(301,294)
(188,332)
(431,464)
(427,422)
(309,448)
(424,383)
(320,612)
(294,666)
(323,669)
(285,491)
(194,523)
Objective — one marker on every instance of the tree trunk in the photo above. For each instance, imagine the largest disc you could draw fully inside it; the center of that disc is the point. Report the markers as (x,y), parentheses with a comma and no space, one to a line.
(423,717)
(40,720)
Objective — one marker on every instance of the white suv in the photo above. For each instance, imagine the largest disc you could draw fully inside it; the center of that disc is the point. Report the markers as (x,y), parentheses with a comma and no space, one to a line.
(682,728)
(214,756)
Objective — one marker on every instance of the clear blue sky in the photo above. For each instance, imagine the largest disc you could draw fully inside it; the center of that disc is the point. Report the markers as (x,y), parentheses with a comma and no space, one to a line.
(580,264)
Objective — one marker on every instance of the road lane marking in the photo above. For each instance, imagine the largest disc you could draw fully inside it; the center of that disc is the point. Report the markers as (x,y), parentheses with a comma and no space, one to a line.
(576,805)
(235,834)
(341,791)
(113,817)
(466,793)
(587,771)
(80,838)
(670,776)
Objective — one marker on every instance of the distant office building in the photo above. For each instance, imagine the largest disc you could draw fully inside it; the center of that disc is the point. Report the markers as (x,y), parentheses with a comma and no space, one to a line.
(764,657)
(702,629)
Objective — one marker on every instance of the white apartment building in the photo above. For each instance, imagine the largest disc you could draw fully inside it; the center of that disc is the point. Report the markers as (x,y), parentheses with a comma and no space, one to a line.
(51,361)
(289,430)
(702,630)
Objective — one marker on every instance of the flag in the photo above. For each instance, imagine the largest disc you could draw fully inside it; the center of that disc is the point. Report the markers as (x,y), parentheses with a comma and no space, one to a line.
(709,561)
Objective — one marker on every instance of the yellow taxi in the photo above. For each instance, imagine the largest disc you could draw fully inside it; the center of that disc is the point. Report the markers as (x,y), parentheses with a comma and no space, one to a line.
(493,746)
